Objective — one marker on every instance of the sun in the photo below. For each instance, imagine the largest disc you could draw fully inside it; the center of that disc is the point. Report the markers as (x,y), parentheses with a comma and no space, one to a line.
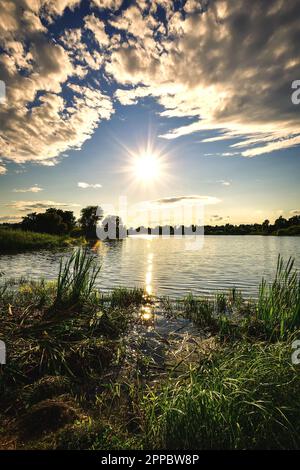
(147,167)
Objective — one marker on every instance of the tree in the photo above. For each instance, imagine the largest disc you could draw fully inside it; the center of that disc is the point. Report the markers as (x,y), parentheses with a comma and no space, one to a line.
(280,223)
(90,216)
(53,221)
(265,226)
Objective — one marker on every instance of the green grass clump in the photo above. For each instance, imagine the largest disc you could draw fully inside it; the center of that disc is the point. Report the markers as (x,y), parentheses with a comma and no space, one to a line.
(245,396)
(76,278)
(19,240)
(278,306)
(199,310)
(122,297)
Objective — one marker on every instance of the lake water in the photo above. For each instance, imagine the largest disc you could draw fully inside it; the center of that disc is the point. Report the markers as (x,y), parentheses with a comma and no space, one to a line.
(171,266)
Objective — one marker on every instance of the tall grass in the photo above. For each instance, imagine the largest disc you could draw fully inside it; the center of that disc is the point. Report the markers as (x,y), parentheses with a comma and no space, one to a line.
(246,396)
(278,306)
(18,240)
(76,278)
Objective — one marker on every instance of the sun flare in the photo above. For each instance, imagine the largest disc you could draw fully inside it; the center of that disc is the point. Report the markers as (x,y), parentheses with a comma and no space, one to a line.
(146,167)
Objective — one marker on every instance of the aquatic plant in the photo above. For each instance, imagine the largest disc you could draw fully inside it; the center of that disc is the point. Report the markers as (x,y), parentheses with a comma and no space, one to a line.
(122,297)
(278,306)
(199,310)
(76,278)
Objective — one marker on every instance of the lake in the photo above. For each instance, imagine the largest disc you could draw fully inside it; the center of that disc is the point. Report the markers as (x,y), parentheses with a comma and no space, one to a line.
(171,266)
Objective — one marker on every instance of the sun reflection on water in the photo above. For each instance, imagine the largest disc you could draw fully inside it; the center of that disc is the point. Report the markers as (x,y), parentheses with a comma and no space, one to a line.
(148,279)
(147,313)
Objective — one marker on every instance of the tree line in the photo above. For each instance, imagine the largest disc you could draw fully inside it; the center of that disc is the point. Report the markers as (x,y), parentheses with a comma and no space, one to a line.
(281,226)
(59,222)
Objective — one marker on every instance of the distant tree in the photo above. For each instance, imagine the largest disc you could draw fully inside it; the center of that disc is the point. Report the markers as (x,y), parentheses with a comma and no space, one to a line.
(90,216)
(68,218)
(280,223)
(265,226)
(53,221)
(295,220)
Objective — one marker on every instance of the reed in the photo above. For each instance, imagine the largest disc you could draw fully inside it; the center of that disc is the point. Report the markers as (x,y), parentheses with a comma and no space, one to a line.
(278,306)
(76,278)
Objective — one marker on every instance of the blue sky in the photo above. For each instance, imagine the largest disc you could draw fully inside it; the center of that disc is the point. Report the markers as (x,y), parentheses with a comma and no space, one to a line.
(89,86)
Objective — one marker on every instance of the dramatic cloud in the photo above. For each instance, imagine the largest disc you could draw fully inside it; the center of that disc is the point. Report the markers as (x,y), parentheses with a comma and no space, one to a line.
(33,189)
(228,65)
(98,28)
(87,185)
(37,121)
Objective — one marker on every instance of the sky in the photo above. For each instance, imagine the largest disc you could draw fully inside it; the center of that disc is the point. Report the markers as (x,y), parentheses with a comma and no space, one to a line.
(161,104)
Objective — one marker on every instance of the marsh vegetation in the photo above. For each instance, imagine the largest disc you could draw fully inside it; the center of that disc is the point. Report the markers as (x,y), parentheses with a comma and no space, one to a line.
(88,370)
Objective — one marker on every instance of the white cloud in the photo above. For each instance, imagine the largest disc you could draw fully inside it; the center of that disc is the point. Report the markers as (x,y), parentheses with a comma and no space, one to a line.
(3,170)
(38,206)
(37,123)
(88,185)
(33,189)
(110,4)
(10,219)
(97,27)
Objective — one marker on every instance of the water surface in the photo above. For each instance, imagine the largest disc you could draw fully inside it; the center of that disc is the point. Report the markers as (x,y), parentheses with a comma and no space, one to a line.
(168,266)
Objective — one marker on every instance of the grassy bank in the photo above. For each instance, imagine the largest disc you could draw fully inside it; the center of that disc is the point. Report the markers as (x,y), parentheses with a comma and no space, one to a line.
(79,374)
(19,240)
